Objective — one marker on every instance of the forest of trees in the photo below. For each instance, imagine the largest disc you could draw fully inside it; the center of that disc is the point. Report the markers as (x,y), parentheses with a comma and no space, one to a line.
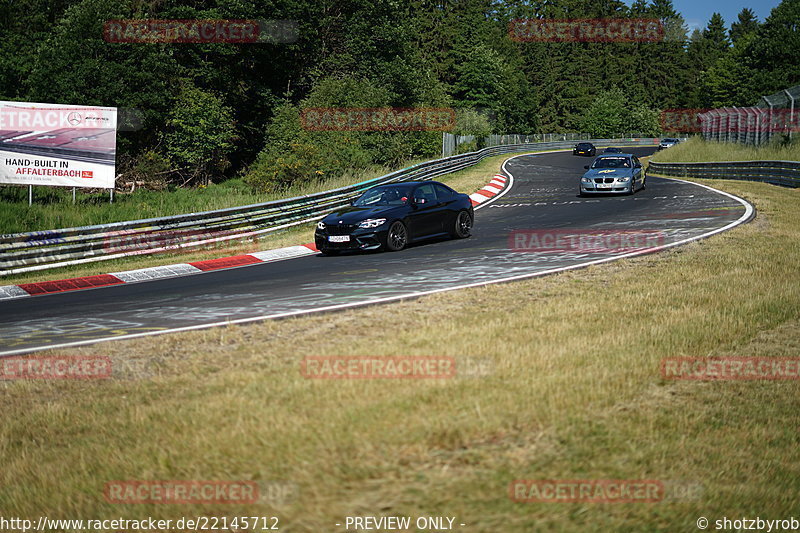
(216,110)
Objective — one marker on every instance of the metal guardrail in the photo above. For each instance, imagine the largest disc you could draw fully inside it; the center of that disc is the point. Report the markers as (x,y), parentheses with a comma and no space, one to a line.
(25,252)
(785,173)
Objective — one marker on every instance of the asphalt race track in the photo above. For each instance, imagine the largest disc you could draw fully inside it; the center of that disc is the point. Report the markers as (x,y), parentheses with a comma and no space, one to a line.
(542,196)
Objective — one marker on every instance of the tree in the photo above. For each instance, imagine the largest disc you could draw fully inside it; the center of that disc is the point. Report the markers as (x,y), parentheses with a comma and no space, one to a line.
(772,54)
(716,36)
(705,49)
(746,24)
(606,116)
(612,114)
(201,134)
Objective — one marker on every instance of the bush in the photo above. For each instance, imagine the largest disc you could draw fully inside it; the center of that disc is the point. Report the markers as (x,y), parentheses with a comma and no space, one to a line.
(611,115)
(294,155)
(201,135)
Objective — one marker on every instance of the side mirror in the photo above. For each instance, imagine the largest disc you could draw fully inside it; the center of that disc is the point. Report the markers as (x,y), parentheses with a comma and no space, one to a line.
(637,165)
(419,201)
(586,167)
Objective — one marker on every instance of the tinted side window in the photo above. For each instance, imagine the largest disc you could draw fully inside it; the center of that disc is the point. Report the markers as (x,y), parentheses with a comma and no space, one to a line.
(442,192)
(426,192)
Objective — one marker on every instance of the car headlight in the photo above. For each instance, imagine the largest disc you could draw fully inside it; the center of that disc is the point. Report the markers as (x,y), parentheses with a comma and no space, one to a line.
(586,180)
(371,223)
(624,178)
(320,225)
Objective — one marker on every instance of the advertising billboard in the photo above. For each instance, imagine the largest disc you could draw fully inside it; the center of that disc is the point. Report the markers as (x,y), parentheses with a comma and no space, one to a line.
(57,145)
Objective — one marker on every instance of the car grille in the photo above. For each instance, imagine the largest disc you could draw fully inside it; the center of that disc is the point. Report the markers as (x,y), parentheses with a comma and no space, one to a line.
(342,245)
(604,180)
(340,229)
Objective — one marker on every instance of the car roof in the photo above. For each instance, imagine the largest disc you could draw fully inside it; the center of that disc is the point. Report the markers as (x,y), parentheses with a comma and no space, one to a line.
(407,183)
(609,156)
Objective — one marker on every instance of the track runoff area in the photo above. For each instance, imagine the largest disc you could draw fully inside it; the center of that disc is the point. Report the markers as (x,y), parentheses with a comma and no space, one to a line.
(537,225)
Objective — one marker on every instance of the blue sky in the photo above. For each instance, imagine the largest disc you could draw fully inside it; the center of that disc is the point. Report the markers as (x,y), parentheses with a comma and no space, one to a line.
(697,12)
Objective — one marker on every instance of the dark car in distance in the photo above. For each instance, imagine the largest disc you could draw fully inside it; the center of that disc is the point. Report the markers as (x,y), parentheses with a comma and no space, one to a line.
(389,217)
(584,149)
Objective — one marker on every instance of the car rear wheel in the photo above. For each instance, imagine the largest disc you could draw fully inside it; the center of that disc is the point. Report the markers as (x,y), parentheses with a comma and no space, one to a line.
(396,237)
(462,226)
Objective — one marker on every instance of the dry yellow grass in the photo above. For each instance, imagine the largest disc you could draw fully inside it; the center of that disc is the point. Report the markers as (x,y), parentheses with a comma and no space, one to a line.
(574,393)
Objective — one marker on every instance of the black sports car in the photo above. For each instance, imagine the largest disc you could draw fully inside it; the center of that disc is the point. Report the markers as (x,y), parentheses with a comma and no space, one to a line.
(391,216)
(584,149)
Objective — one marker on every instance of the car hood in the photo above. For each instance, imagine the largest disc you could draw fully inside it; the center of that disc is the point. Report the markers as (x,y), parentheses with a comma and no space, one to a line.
(353,215)
(608,172)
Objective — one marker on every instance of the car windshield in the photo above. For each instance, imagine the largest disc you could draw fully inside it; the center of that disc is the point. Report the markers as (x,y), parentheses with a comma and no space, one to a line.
(611,162)
(383,196)
(584,145)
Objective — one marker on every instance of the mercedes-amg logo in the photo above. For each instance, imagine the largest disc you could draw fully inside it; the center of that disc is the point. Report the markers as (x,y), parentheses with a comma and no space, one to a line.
(74,118)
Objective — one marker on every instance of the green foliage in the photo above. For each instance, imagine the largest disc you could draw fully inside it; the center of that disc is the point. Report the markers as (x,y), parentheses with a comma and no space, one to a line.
(746,24)
(642,120)
(606,116)
(470,121)
(773,53)
(201,134)
(298,152)
(219,109)
(612,114)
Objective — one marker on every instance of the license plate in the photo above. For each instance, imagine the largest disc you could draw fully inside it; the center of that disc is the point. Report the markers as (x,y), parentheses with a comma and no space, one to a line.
(604,185)
(338,238)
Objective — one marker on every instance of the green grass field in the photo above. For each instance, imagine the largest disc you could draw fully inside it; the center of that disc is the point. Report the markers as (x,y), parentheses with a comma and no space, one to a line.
(572,390)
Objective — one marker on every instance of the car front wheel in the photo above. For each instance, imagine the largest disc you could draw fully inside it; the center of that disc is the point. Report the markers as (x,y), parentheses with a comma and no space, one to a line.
(396,237)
